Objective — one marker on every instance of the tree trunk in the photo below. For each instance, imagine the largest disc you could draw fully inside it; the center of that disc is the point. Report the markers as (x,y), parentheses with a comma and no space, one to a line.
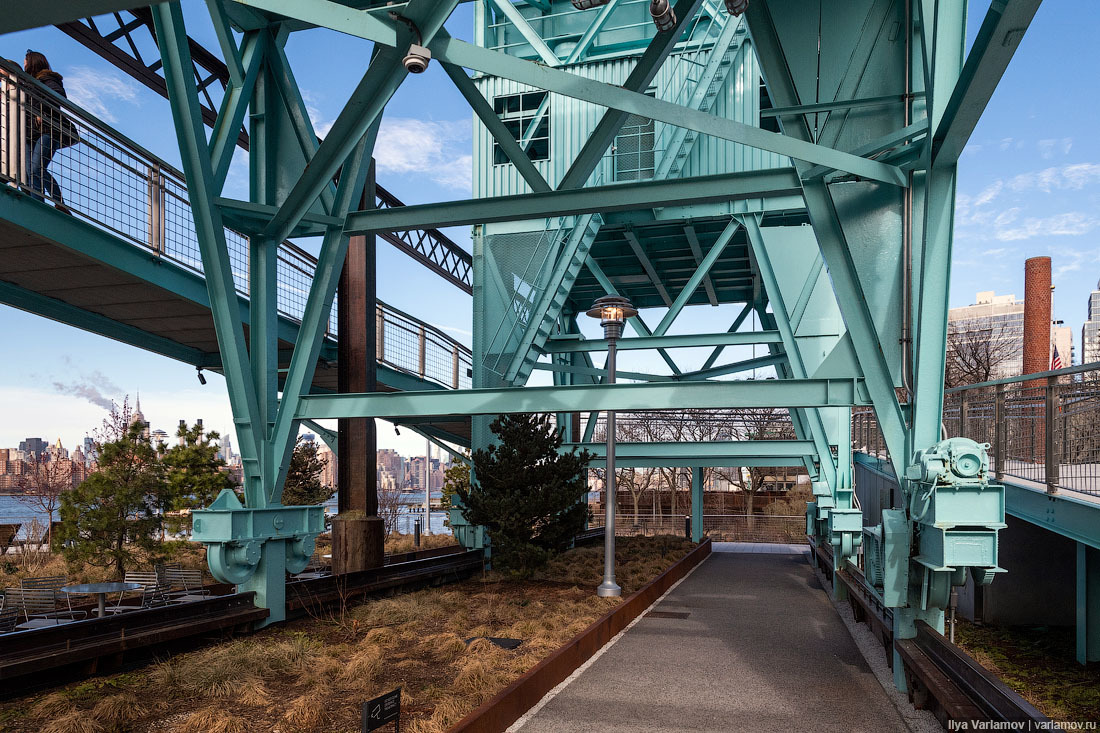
(634,495)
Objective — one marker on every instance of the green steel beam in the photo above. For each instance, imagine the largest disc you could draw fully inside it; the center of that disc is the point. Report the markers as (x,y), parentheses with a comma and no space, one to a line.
(697,252)
(696,278)
(803,301)
(300,122)
(804,109)
(322,290)
(833,242)
(785,393)
(330,437)
(331,15)
(223,138)
(496,127)
(590,33)
(998,38)
(641,456)
(438,443)
(224,304)
(909,134)
(874,27)
(758,362)
(733,327)
(601,373)
(717,452)
(20,16)
(627,101)
(932,241)
(224,32)
(509,11)
(560,344)
(647,266)
(62,312)
(770,278)
(598,199)
(365,104)
(639,79)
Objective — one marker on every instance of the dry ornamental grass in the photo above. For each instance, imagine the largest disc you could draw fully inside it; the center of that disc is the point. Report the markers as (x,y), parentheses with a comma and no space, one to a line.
(314,674)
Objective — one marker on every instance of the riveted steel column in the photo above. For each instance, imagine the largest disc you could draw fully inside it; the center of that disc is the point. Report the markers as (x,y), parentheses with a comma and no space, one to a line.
(1050,425)
(696,504)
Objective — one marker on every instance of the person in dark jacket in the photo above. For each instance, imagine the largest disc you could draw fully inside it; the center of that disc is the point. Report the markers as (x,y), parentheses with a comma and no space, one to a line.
(48,130)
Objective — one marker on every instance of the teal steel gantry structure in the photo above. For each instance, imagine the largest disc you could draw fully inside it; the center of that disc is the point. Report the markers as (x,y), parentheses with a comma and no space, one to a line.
(798,161)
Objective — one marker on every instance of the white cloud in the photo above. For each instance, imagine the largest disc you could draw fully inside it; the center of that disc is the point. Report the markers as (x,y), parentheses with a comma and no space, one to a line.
(99,90)
(1071,223)
(989,193)
(1060,178)
(1049,146)
(435,150)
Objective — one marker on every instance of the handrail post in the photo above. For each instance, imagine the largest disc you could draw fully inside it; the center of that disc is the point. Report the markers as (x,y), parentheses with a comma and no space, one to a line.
(155,191)
(1050,424)
(999,432)
(421,359)
(380,333)
(964,408)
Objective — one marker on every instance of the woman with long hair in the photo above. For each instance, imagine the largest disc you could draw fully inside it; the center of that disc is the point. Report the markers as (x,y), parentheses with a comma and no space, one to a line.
(47,131)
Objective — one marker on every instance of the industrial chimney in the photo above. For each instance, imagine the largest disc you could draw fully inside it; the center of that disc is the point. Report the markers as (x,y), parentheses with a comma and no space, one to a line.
(1036,315)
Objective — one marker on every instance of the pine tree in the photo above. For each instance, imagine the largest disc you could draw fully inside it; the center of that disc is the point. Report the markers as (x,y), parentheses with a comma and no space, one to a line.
(196,473)
(527,493)
(113,516)
(303,478)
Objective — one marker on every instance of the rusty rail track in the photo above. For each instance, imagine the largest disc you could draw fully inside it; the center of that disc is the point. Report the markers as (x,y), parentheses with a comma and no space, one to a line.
(941,676)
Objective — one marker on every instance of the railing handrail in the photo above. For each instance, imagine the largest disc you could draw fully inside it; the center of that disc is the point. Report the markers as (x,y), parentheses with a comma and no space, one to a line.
(172,181)
(1080,368)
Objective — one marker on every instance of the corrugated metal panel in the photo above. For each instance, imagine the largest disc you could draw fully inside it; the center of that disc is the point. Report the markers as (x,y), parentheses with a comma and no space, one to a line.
(572,121)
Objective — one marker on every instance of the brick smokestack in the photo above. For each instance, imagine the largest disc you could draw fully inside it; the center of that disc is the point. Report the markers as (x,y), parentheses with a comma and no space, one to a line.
(1036,315)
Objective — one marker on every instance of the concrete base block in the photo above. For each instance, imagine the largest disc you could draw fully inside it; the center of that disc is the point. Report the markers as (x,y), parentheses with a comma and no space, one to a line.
(357,544)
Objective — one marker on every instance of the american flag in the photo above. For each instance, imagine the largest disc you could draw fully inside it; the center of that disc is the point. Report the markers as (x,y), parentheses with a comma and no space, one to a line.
(1056,359)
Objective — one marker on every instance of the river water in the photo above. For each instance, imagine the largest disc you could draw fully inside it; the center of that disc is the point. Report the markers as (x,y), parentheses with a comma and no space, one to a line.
(16,510)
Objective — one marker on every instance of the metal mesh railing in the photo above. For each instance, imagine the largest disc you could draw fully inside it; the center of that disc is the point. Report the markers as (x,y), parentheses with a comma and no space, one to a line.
(112,182)
(1041,428)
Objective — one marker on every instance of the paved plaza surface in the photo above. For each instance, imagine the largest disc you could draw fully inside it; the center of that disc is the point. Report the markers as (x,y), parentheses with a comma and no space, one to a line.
(761,649)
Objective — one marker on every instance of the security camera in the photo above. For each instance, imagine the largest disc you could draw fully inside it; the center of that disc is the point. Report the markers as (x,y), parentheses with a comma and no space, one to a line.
(416,60)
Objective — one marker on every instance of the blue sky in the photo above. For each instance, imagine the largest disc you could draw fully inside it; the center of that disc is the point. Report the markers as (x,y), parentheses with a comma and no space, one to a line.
(1029,184)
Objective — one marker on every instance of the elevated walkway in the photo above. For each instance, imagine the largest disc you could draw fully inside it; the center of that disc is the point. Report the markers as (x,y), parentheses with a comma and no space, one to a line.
(126,264)
(749,641)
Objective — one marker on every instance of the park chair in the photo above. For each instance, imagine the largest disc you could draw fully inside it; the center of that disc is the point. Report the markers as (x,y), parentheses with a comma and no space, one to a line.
(153,592)
(52,584)
(39,607)
(183,584)
(9,619)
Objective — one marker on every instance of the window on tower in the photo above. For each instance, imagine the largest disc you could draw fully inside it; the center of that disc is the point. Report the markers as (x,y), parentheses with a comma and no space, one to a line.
(519,111)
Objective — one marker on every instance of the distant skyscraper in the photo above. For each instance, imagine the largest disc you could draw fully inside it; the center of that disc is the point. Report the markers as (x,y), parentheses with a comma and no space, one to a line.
(1000,316)
(139,417)
(1090,332)
(35,446)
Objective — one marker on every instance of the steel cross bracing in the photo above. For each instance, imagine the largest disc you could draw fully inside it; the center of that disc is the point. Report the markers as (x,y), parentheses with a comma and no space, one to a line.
(120,37)
(874,108)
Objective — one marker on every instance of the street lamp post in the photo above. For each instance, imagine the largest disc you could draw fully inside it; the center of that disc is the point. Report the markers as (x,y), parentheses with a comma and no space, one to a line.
(612,311)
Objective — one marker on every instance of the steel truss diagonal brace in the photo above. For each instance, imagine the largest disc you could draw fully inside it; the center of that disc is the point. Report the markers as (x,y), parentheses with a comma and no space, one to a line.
(195,153)
(790,343)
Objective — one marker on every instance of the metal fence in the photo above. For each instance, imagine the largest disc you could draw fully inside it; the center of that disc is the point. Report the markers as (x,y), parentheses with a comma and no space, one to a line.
(761,528)
(1043,428)
(105,178)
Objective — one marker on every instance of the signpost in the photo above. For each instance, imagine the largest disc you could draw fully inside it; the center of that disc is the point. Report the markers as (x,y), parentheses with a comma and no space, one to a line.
(382,710)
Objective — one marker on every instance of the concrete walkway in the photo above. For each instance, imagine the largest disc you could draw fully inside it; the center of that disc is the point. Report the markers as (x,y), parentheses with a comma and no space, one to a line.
(761,649)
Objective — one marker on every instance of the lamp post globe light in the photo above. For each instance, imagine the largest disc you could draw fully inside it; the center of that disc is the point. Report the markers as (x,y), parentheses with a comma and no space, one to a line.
(612,311)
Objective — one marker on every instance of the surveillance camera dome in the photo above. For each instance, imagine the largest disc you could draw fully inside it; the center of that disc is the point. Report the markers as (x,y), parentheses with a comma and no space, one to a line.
(417,59)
